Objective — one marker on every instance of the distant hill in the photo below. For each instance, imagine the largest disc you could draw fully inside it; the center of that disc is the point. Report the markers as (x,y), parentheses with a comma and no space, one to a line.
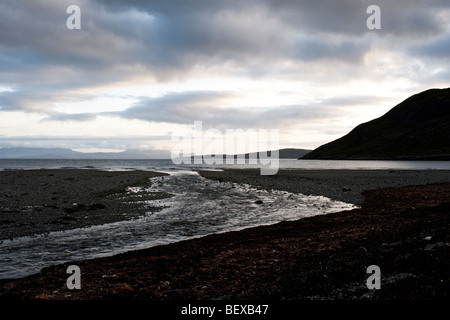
(416,129)
(288,153)
(38,153)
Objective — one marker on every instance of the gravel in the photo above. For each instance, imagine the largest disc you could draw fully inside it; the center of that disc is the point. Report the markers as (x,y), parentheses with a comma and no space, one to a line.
(40,201)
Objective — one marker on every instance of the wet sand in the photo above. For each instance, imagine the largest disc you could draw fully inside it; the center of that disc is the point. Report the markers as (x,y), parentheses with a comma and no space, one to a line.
(403,230)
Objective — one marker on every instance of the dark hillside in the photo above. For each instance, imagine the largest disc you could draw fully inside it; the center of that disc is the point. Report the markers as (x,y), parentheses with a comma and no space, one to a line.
(418,128)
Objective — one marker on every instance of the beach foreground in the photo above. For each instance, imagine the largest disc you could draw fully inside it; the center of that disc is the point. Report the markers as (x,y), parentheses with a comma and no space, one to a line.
(403,230)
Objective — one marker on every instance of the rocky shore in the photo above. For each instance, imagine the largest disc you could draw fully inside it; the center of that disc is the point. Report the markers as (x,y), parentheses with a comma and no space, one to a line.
(403,230)
(40,201)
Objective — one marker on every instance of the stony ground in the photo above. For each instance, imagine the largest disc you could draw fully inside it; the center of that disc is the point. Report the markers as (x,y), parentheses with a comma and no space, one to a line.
(403,230)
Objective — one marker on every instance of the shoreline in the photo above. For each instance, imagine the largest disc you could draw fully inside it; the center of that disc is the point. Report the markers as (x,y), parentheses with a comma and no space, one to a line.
(404,230)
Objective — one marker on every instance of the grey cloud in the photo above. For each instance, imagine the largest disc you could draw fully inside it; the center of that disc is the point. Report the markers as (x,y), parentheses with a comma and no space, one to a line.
(39,97)
(344,16)
(167,37)
(34,34)
(416,21)
(71,117)
(253,34)
(353,51)
(436,48)
(213,110)
(24,99)
(400,18)
(120,40)
(183,108)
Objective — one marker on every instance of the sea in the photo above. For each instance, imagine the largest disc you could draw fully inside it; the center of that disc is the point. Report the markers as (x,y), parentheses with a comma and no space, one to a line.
(197,208)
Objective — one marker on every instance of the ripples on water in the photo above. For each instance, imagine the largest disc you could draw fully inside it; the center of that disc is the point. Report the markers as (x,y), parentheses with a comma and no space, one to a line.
(198,207)
(130,164)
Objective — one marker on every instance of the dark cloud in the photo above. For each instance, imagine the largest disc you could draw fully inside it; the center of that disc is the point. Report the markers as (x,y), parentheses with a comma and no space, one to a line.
(166,38)
(158,35)
(413,21)
(337,17)
(346,50)
(437,48)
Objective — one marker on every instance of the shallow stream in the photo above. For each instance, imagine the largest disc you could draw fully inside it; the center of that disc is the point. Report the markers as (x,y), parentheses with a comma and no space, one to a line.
(198,207)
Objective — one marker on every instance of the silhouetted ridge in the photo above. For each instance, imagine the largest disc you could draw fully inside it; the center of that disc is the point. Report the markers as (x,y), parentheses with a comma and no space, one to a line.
(416,129)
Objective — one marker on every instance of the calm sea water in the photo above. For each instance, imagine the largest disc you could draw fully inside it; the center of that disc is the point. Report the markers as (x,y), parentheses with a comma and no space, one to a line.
(167,165)
(198,207)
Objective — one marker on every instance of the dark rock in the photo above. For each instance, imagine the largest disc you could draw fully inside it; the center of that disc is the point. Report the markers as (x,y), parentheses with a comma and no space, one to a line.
(96,206)
(6,222)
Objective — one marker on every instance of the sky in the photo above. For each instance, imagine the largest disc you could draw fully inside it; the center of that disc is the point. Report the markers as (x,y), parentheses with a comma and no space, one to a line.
(137,73)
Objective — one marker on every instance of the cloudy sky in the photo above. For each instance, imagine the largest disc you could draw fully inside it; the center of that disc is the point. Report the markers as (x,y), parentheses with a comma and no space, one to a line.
(139,71)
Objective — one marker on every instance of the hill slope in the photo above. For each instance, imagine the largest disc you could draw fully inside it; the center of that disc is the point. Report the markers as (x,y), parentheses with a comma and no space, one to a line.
(416,129)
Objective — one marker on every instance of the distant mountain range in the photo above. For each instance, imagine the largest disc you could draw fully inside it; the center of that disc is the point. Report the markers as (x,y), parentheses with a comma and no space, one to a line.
(61,153)
(416,129)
